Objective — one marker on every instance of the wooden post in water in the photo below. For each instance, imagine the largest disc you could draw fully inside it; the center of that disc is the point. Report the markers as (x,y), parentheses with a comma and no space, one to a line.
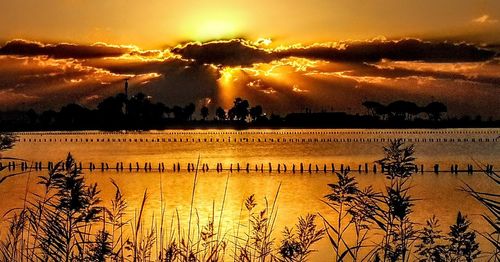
(342,168)
(270,167)
(374,168)
(284,168)
(436,168)
(301,168)
(333,168)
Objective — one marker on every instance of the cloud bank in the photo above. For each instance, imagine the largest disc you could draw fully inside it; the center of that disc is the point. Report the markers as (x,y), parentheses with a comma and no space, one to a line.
(63,50)
(329,76)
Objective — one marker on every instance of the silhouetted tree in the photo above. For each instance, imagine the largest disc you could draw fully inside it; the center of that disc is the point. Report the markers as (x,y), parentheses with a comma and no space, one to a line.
(256,112)
(240,110)
(434,110)
(73,116)
(138,107)
(189,111)
(231,114)
(32,116)
(111,111)
(167,111)
(276,119)
(220,113)
(204,112)
(178,113)
(403,110)
(374,108)
(48,118)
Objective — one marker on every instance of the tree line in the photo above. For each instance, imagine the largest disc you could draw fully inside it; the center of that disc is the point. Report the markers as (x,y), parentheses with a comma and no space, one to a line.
(139,112)
(405,110)
(136,112)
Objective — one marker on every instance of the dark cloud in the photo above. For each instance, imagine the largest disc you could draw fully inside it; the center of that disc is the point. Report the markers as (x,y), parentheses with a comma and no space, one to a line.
(402,50)
(239,52)
(32,77)
(61,50)
(236,52)
(361,70)
(180,85)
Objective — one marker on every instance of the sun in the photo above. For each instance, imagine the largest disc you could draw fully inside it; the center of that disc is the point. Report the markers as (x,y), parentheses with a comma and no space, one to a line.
(213,25)
(215,29)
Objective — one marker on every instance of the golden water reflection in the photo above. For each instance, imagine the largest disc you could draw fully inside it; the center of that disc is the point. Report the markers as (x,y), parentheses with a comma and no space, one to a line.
(299,194)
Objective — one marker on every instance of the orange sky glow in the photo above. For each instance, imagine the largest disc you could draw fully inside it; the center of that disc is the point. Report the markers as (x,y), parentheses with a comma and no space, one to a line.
(285,55)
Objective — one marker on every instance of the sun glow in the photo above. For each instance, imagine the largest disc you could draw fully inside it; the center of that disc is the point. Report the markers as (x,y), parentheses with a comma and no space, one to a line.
(227,75)
(213,24)
(227,82)
(215,30)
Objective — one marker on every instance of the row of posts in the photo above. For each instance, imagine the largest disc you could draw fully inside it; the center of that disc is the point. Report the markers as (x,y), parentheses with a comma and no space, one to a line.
(204,167)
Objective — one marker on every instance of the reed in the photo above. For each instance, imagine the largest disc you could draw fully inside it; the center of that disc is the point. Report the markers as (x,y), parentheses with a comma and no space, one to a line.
(68,221)
(491,201)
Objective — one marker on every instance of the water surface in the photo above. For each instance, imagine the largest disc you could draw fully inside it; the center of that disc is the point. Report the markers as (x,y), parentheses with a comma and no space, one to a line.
(299,194)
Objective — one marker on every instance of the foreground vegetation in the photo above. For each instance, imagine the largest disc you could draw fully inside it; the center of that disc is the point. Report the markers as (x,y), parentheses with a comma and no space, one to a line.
(68,221)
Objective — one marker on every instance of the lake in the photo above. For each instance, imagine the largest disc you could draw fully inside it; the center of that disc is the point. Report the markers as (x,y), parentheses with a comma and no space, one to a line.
(299,193)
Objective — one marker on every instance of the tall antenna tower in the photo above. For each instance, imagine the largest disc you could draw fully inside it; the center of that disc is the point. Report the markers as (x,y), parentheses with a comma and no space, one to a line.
(126,88)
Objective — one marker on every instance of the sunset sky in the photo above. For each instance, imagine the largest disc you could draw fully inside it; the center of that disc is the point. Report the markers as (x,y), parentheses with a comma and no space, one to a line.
(285,55)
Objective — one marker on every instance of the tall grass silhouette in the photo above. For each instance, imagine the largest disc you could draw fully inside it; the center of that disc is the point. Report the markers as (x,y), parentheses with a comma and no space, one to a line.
(67,220)
(387,216)
(490,200)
